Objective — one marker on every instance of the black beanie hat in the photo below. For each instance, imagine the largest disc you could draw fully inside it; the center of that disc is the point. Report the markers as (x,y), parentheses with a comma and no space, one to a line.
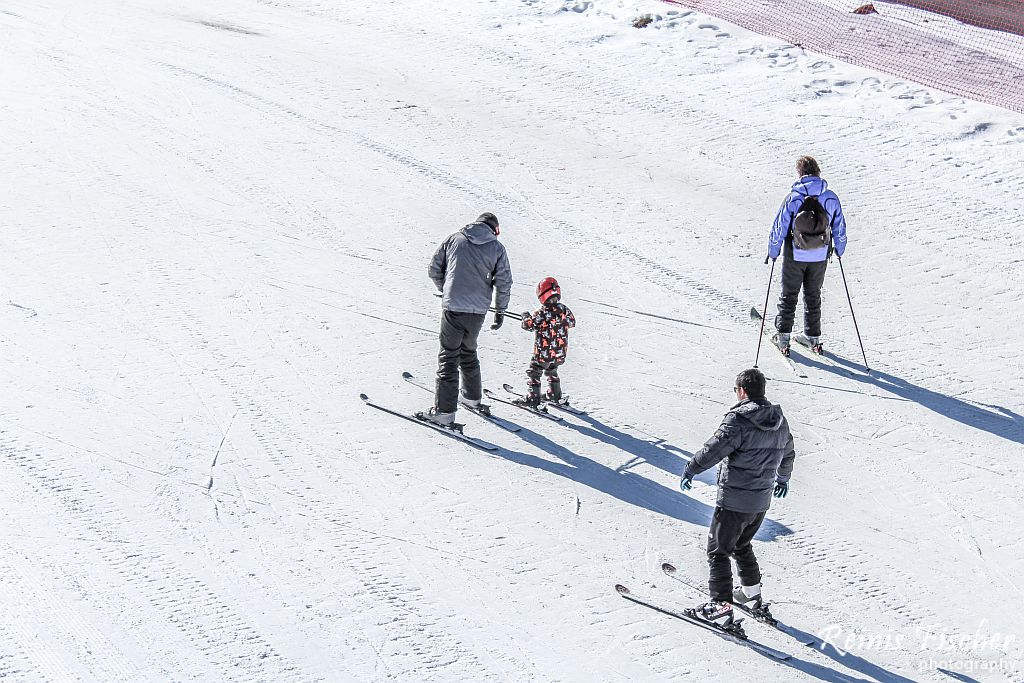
(490,219)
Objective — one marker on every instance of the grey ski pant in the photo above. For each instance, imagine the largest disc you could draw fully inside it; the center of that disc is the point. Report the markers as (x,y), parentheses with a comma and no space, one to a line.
(730,536)
(459,332)
(810,276)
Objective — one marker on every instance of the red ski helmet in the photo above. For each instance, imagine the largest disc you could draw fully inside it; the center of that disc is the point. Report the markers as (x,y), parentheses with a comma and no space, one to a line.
(548,288)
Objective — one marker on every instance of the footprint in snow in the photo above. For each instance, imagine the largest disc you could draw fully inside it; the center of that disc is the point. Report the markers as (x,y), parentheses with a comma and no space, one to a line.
(712,27)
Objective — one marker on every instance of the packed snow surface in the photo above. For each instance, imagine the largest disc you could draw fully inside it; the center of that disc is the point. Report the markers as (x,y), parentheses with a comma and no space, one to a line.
(216,222)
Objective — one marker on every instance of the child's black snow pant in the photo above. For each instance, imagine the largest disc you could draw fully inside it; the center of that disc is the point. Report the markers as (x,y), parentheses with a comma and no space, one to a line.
(729,537)
(533,381)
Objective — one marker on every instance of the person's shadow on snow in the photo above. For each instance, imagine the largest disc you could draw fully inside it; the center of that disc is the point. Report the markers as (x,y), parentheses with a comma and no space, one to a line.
(656,452)
(622,484)
(996,420)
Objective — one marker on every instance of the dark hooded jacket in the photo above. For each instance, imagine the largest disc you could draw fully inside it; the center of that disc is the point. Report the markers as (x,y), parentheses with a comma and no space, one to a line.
(756,450)
(468,267)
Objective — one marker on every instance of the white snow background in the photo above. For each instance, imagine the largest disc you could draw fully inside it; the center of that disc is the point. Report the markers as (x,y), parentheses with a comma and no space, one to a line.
(216,220)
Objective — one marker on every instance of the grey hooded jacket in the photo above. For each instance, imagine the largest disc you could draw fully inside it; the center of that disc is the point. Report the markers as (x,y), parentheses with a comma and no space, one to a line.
(467,266)
(756,450)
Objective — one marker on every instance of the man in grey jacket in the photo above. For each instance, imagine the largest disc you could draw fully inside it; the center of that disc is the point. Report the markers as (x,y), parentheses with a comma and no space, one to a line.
(755,449)
(466,268)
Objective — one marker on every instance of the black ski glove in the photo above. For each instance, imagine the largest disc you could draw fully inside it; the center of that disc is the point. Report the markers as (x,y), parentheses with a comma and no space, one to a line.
(686,484)
(781,489)
(499,318)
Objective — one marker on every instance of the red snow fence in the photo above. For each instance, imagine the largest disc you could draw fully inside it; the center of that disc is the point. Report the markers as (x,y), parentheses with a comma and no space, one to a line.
(974,49)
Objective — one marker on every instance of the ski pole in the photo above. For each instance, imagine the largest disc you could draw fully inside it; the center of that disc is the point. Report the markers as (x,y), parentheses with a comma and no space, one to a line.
(857,329)
(764,313)
(514,316)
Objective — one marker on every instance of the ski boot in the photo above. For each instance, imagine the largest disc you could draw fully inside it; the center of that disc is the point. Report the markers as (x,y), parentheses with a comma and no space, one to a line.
(720,614)
(781,340)
(814,343)
(475,405)
(748,597)
(754,604)
(446,420)
(554,392)
(531,400)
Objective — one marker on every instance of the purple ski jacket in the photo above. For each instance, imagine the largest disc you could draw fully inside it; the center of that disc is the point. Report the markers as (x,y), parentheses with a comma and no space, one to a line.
(808,185)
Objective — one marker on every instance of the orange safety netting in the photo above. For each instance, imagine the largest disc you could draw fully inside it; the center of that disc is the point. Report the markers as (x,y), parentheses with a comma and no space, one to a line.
(974,49)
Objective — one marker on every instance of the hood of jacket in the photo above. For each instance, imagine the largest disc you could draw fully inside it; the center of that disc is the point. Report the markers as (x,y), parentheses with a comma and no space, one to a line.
(810,185)
(479,233)
(760,413)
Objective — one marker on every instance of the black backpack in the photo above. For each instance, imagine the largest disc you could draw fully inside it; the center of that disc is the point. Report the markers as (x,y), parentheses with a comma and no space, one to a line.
(811,226)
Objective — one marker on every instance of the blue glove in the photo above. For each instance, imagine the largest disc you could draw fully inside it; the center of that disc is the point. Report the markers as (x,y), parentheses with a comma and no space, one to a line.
(686,484)
(781,489)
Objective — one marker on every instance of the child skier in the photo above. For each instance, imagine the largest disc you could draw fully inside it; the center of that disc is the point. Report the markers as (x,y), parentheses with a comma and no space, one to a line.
(551,326)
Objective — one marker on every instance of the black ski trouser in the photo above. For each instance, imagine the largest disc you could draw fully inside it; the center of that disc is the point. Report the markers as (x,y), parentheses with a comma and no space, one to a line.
(533,374)
(730,536)
(810,276)
(459,332)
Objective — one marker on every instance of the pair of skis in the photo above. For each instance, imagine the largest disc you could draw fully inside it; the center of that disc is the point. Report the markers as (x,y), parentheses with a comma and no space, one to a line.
(483,412)
(734,633)
(802,340)
(454,430)
(539,410)
(762,615)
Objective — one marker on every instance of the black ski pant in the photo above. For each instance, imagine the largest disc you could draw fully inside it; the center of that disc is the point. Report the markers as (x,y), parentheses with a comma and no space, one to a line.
(459,332)
(810,276)
(729,537)
(533,374)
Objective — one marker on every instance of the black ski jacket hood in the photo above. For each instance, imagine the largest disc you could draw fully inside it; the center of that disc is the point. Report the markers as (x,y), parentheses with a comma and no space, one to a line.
(755,449)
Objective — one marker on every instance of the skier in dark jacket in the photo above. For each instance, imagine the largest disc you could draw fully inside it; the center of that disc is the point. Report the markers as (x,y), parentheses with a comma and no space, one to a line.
(755,449)
(467,268)
(805,256)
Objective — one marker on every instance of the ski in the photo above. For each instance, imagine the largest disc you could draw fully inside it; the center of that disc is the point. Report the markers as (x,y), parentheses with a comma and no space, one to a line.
(493,419)
(455,431)
(691,618)
(562,404)
(763,617)
(755,315)
(539,412)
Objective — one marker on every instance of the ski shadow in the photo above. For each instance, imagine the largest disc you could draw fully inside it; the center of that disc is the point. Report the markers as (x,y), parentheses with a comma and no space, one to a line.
(656,452)
(995,420)
(623,485)
(848,659)
(820,671)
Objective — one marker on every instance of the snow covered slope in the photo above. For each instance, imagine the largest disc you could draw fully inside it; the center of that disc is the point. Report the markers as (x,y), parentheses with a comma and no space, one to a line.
(216,223)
